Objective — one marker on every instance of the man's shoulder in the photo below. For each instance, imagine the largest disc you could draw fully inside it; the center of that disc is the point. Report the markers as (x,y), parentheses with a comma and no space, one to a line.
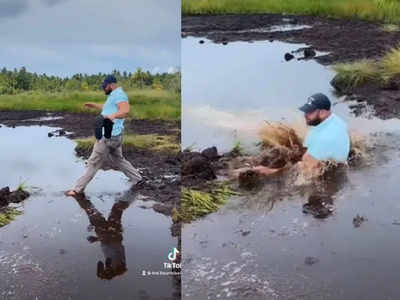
(120,94)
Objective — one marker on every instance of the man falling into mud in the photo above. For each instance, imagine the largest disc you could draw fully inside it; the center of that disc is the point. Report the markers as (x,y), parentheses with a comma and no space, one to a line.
(107,152)
(327,140)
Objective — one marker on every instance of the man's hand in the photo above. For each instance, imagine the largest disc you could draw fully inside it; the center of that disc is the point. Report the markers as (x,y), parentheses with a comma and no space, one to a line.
(94,105)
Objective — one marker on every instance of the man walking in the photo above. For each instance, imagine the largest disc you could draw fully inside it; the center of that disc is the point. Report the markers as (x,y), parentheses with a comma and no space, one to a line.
(107,153)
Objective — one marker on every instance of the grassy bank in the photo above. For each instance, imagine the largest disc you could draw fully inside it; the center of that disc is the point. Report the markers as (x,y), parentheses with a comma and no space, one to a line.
(150,142)
(145,103)
(378,10)
(382,71)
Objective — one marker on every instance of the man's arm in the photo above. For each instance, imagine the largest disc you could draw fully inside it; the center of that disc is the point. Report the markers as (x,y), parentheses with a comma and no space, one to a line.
(123,111)
(94,105)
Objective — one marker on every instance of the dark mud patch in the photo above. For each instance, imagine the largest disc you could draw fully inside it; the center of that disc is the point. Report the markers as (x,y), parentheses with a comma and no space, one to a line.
(7,196)
(344,40)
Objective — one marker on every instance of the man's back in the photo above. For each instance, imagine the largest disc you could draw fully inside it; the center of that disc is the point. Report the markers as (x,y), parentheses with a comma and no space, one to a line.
(329,140)
(110,107)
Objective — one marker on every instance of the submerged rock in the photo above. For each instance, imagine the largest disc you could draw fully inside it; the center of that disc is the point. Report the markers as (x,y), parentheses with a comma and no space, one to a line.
(358,220)
(6,196)
(199,166)
(4,192)
(309,260)
(289,56)
(309,53)
(18,196)
(210,153)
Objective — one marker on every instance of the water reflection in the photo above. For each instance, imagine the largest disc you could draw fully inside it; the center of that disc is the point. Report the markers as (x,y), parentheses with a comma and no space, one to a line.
(109,234)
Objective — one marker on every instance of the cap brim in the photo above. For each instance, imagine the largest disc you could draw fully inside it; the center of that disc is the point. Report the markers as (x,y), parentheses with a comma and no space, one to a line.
(307,108)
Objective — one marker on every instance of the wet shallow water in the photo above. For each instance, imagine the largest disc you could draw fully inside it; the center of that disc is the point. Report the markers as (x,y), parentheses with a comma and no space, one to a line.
(46,254)
(262,246)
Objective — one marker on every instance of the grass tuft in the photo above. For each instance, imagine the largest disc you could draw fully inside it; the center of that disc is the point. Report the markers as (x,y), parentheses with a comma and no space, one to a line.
(7,215)
(196,204)
(390,65)
(357,73)
(152,142)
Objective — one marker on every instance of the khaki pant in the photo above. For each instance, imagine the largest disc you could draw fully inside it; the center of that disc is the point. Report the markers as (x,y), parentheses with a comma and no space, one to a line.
(106,155)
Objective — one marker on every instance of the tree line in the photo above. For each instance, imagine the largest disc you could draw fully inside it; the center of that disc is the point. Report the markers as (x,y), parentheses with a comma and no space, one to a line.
(17,81)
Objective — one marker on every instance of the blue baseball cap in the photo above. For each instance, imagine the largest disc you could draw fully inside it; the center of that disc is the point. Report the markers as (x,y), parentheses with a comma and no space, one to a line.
(316,101)
(109,79)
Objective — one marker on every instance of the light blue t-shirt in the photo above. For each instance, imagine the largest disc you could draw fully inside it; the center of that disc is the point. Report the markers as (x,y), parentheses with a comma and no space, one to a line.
(110,107)
(329,140)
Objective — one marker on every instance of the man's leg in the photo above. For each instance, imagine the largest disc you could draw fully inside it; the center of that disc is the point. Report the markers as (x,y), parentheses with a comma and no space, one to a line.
(119,162)
(94,163)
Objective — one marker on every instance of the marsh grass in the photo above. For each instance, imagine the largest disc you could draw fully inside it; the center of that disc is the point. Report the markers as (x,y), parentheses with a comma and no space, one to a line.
(375,10)
(7,215)
(196,204)
(145,103)
(357,73)
(152,142)
(390,27)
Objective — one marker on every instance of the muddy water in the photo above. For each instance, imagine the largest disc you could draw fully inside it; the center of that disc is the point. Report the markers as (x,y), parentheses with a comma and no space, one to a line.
(46,254)
(261,245)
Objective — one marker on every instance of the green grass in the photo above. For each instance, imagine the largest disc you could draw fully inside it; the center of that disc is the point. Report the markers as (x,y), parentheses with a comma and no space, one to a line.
(7,215)
(376,10)
(390,65)
(357,73)
(152,142)
(145,103)
(196,204)
(390,27)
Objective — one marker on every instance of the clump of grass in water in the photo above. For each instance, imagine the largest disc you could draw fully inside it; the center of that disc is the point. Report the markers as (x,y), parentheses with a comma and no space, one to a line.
(196,204)
(357,73)
(7,215)
(360,72)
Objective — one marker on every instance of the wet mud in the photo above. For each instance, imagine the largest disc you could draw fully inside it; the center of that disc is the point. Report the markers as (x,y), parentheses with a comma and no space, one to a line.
(342,40)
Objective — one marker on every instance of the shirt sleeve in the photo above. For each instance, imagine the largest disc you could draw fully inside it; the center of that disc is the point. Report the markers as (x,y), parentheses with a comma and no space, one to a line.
(121,97)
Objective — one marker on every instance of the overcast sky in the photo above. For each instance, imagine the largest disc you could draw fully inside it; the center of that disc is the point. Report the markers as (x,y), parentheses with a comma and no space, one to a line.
(64,37)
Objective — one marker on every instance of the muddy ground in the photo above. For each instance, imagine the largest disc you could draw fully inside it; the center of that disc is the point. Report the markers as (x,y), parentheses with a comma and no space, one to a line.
(345,40)
(155,166)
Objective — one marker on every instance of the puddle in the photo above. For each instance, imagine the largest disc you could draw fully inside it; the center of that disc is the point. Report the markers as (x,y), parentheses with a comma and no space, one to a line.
(287,27)
(262,245)
(52,250)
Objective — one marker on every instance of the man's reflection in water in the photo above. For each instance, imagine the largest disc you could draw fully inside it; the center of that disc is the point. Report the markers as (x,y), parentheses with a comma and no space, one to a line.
(109,234)
(321,197)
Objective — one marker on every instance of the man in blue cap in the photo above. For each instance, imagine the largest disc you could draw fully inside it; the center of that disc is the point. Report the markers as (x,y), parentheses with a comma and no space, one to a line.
(328,138)
(107,152)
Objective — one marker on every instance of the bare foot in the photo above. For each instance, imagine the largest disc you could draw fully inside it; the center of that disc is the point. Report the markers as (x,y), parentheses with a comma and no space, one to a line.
(72,193)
